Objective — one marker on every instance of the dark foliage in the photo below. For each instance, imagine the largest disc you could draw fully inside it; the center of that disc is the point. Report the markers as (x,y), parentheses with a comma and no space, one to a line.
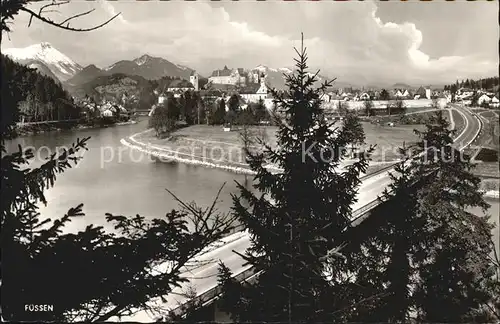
(89,275)
(486,83)
(429,255)
(297,219)
(39,98)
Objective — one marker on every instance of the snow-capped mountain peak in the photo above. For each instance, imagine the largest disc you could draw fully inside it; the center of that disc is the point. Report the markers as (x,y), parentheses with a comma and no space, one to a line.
(58,63)
(285,70)
(45,45)
(264,68)
(261,68)
(182,67)
(143,59)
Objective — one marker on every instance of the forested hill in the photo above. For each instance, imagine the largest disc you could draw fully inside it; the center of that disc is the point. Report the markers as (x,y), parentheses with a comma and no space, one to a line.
(40,97)
(119,87)
(491,84)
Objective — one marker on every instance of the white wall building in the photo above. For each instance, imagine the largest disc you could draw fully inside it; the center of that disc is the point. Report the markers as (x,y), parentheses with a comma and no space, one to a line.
(483,99)
(252,95)
(428,93)
(107,113)
(227,76)
(194,79)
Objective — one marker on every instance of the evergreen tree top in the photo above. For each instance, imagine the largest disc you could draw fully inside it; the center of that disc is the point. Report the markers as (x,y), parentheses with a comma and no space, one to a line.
(297,219)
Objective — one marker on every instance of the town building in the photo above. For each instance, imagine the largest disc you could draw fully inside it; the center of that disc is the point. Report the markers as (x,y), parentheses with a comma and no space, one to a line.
(483,99)
(194,79)
(254,92)
(364,96)
(180,86)
(494,103)
(423,93)
(229,76)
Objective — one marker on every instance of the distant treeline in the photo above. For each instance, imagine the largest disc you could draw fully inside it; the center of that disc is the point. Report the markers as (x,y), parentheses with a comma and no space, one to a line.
(41,97)
(134,92)
(488,84)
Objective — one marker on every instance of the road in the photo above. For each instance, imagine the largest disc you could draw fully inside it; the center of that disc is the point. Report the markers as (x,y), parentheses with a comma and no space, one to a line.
(204,278)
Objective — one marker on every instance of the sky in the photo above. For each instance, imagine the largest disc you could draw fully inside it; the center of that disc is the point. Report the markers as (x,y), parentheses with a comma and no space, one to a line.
(359,42)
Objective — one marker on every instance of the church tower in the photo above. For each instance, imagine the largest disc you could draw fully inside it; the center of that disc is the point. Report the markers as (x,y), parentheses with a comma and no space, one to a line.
(193,78)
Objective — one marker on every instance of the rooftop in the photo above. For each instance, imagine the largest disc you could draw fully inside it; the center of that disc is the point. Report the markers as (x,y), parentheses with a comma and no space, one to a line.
(180,84)
(222,87)
(224,72)
(250,88)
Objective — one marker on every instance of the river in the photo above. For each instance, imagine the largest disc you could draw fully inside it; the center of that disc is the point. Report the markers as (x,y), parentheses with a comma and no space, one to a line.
(112,178)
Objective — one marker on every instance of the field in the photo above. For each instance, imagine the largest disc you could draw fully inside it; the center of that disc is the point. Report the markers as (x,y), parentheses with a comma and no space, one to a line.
(389,139)
(489,114)
(213,143)
(487,147)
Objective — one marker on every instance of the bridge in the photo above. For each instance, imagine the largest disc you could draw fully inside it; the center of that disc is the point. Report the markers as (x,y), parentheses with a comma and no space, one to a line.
(203,278)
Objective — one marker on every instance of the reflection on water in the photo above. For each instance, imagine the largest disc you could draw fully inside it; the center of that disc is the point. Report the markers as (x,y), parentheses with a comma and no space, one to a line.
(124,184)
(113,178)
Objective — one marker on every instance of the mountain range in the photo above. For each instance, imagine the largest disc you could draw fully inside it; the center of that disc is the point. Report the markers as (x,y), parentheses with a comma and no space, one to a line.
(51,62)
(275,77)
(150,68)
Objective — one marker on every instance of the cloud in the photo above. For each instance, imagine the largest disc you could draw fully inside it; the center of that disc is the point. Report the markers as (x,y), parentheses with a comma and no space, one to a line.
(346,40)
(106,5)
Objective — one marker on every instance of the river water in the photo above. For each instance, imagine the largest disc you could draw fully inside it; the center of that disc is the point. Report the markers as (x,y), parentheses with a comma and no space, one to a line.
(112,178)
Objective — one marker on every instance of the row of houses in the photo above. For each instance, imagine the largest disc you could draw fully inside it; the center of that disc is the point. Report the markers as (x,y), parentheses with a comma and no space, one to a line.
(488,99)
(482,98)
(421,93)
(224,83)
(104,108)
(357,95)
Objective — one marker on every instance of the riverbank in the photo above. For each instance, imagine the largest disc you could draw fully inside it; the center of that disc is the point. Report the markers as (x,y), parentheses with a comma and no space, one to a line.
(220,151)
(212,152)
(213,142)
(28,130)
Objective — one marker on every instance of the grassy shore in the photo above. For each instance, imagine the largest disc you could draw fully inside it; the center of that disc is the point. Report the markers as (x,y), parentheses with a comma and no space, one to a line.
(212,141)
(487,141)
(210,146)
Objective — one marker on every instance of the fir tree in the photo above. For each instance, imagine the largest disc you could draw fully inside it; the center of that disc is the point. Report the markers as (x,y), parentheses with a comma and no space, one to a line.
(219,113)
(384,261)
(354,132)
(297,220)
(384,95)
(91,275)
(234,103)
(458,242)
(261,111)
(428,254)
(368,106)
